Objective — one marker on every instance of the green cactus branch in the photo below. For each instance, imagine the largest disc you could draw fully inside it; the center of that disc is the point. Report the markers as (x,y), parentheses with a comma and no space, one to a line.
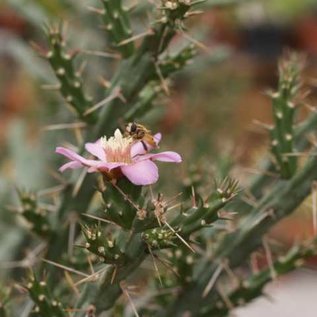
(171,64)
(299,144)
(46,305)
(127,255)
(137,71)
(144,101)
(167,66)
(284,105)
(283,199)
(110,289)
(252,287)
(118,27)
(137,248)
(134,250)
(36,216)
(261,182)
(119,206)
(71,84)
(106,249)
(207,212)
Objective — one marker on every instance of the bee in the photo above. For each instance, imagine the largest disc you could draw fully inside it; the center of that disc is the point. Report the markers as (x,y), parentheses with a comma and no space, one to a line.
(139,132)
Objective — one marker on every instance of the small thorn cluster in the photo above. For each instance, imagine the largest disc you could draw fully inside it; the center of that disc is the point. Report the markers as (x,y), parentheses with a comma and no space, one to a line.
(205,212)
(36,216)
(159,238)
(106,249)
(119,204)
(183,262)
(174,11)
(45,304)
(173,63)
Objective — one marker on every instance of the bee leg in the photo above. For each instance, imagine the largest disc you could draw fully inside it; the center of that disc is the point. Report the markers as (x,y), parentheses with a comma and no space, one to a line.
(144,146)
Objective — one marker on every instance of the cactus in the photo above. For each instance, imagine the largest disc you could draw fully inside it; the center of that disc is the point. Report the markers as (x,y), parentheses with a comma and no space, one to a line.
(71,85)
(35,215)
(252,287)
(110,221)
(45,304)
(117,24)
(285,101)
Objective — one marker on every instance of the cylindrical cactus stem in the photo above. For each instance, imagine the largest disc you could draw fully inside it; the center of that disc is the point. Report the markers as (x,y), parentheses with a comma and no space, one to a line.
(35,215)
(171,64)
(252,286)
(118,27)
(260,183)
(237,246)
(46,305)
(71,83)
(144,102)
(284,105)
(110,290)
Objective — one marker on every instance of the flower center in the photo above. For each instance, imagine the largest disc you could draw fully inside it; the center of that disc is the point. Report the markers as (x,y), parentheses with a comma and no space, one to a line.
(118,148)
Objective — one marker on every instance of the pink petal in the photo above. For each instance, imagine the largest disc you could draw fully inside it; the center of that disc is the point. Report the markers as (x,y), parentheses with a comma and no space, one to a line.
(137,149)
(70,154)
(71,165)
(141,173)
(96,149)
(157,138)
(168,156)
(109,165)
(104,166)
(78,161)
(75,157)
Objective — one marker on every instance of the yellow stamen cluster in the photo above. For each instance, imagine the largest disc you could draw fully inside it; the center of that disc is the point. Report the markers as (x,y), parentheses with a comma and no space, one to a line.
(118,147)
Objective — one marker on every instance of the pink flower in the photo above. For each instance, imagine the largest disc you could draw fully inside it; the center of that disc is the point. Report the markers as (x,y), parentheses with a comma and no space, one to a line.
(120,155)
